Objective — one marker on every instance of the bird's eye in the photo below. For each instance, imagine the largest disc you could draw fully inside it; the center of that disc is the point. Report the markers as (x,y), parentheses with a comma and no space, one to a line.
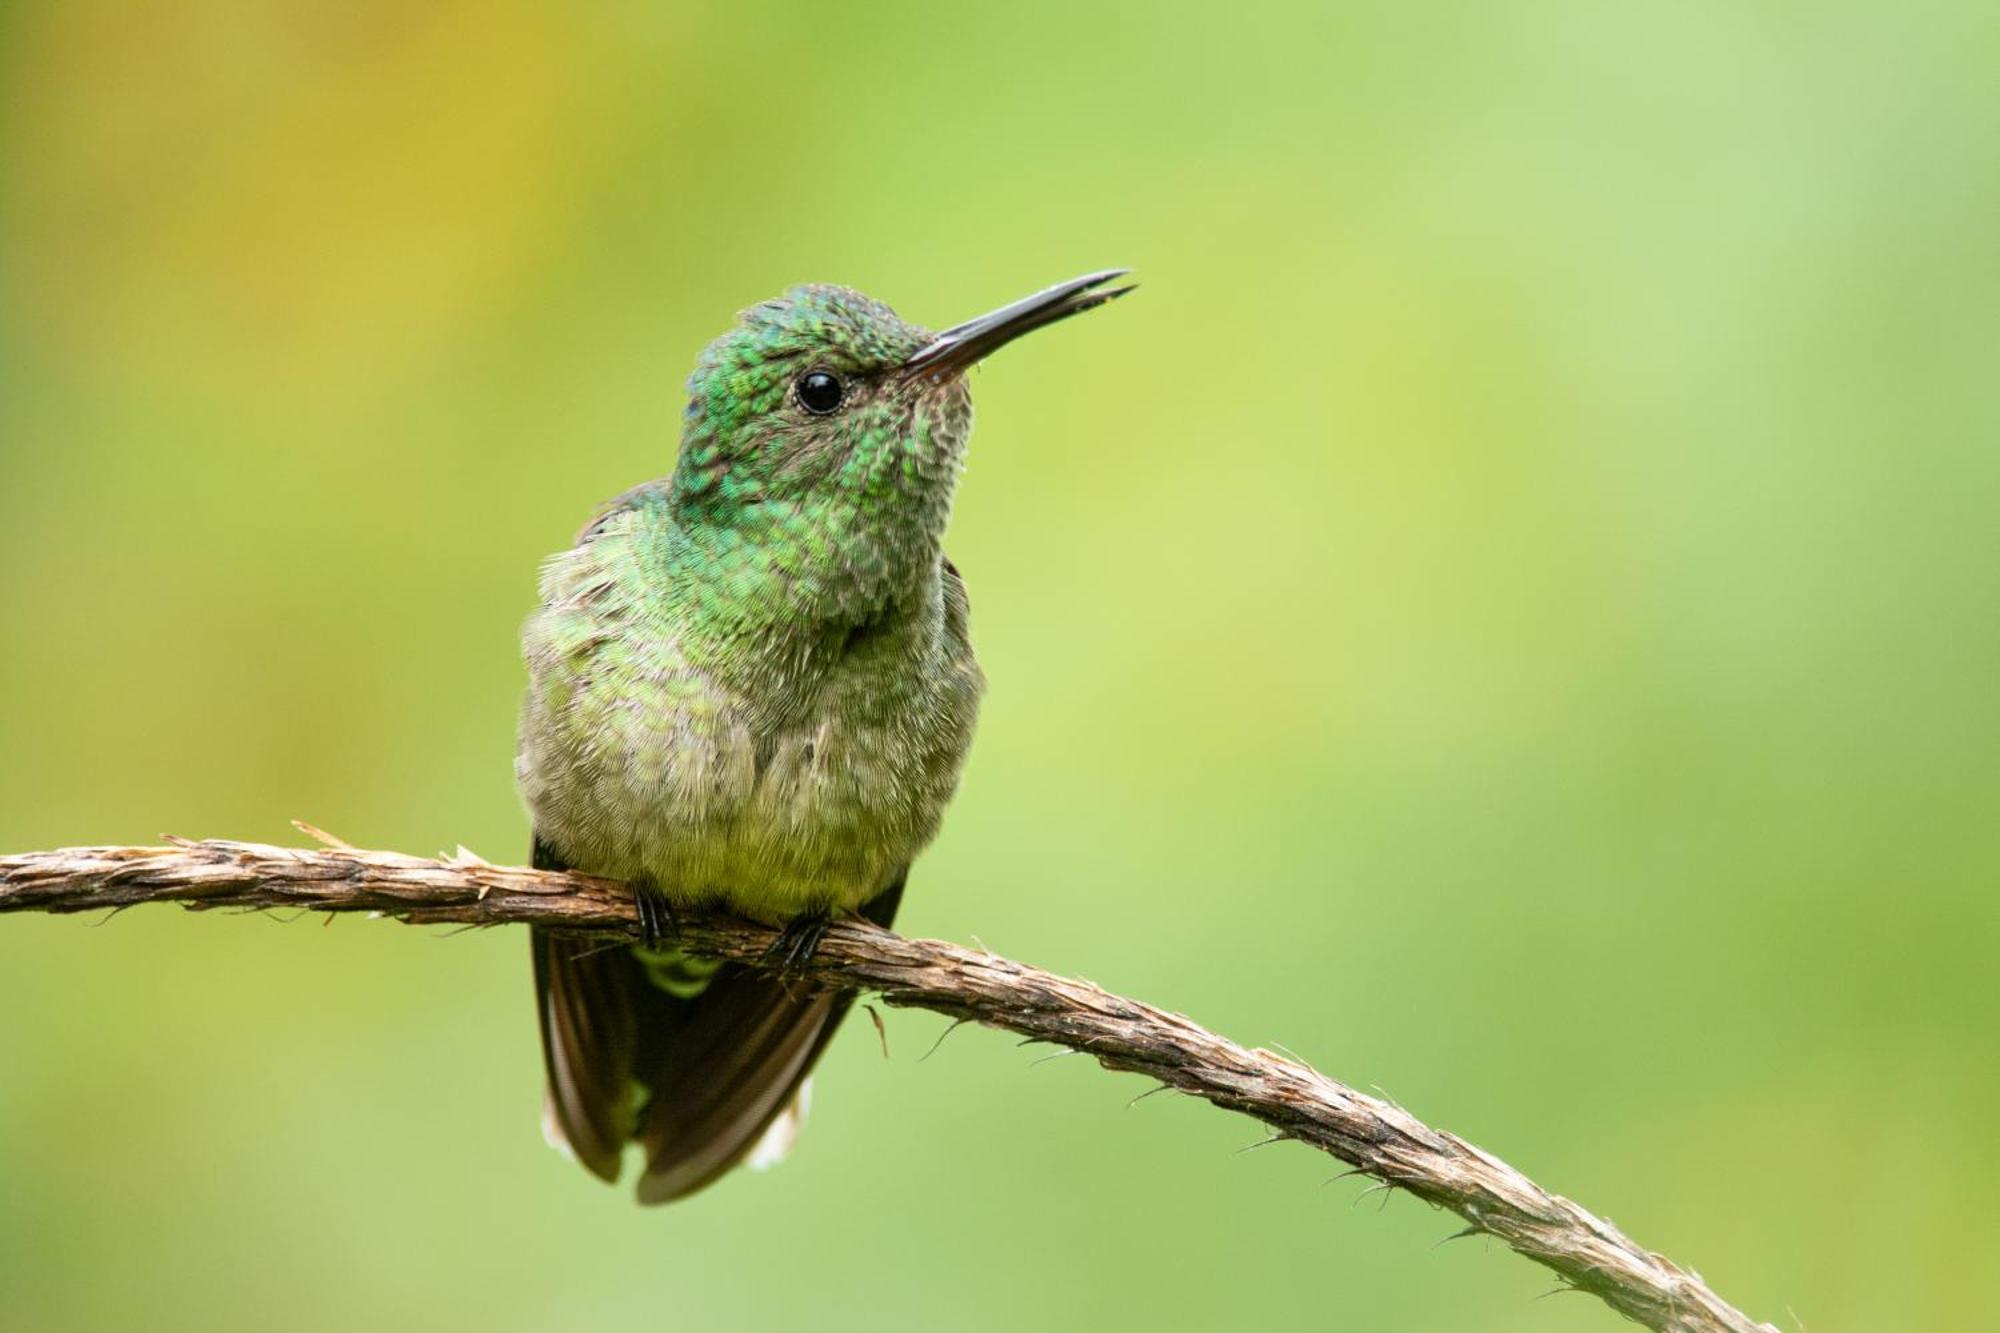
(819,392)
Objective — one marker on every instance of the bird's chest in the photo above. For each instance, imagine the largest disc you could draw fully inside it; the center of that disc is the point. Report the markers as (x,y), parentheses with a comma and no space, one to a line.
(780,785)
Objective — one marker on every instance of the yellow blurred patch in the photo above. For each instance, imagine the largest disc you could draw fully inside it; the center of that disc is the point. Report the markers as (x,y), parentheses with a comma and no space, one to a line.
(301,193)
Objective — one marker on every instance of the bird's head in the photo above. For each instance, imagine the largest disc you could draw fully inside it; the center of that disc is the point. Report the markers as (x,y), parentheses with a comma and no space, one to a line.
(827,396)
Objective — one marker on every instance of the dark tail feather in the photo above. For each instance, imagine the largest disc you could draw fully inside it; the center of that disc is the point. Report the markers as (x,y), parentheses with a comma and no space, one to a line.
(716,1068)
(592,997)
(585,991)
(732,1068)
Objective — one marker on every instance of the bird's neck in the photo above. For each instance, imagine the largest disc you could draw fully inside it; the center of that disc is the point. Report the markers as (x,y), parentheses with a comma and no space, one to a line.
(796,571)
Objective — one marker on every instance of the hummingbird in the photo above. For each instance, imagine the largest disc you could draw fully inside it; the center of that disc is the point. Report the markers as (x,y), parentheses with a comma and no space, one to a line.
(752,688)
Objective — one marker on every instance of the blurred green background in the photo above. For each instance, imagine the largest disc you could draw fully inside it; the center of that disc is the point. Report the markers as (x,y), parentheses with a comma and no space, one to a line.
(1511,611)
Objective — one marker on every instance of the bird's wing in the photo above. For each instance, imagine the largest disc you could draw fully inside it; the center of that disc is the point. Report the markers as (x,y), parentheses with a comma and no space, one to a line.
(644,494)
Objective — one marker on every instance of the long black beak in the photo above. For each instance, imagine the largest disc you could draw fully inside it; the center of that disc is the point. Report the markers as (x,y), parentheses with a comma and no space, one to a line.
(956,348)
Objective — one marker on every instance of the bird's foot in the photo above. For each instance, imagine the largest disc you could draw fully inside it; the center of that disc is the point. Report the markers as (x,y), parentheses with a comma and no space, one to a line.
(657,925)
(798,941)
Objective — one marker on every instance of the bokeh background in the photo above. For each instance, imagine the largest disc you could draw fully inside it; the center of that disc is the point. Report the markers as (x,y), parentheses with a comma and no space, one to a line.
(1511,611)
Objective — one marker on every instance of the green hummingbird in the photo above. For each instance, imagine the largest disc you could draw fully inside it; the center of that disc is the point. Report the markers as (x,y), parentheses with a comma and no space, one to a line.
(751,686)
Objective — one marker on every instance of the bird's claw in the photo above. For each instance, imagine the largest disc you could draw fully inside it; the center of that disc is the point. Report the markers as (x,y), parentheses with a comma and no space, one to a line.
(798,941)
(657,925)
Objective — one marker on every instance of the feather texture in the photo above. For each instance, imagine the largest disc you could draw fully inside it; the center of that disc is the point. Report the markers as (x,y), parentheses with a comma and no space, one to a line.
(695,1075)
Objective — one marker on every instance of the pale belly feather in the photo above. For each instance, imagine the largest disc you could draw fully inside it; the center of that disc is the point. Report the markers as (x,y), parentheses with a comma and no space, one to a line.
(638,764)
